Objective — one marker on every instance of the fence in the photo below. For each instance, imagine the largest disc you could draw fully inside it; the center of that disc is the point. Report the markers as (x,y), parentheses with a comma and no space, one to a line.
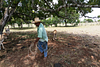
(82,24)
(89,24)
(62,24)
(23,25)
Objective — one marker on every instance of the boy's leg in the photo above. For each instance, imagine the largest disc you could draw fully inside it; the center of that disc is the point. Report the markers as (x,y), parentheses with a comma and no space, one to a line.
(45,49)
(40,46)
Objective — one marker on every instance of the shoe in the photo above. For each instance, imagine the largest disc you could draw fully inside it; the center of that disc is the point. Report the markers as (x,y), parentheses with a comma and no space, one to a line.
(45,58)
(42,54)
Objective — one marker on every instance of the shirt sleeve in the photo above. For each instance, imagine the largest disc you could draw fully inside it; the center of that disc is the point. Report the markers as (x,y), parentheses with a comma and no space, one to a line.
(40,32)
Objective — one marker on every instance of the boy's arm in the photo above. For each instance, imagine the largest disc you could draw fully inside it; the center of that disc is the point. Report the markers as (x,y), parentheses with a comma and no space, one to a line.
(37,39)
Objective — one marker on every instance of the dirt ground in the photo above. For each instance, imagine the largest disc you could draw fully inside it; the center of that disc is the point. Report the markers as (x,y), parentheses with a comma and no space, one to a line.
(74,47)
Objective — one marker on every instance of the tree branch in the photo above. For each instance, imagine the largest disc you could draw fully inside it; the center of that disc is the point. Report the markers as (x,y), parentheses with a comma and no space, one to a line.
(70,5)
(24,14)
(47,4)
(22,19)
(77,5)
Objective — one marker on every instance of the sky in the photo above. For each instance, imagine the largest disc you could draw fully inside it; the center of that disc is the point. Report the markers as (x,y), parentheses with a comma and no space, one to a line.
(94,13)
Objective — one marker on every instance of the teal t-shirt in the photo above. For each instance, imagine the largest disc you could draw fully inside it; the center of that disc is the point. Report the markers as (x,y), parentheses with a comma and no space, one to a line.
(42,33)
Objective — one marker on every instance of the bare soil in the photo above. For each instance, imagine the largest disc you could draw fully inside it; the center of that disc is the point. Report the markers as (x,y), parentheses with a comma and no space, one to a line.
(74,47)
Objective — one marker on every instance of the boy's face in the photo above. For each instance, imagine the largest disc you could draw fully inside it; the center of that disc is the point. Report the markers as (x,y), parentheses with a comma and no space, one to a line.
(37,24)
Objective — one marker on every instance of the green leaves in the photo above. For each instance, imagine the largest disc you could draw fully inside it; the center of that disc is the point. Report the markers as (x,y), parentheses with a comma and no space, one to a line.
(98,16)
(51,21)
(88,20)
(49,8)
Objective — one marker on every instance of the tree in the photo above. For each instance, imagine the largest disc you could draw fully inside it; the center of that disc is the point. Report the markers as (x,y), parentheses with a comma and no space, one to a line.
(74,17)
(89,20)
(12,22)
(98,20)
(47,22)
(7,12)
(99,17)
(52,21)
(23,9)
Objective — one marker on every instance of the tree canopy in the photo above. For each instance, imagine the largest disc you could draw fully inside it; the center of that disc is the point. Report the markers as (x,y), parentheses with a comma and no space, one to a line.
(28,9)
(88,20)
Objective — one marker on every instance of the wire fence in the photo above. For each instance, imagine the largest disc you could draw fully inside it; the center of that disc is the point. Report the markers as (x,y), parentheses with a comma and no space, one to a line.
(61,24)
(89,24)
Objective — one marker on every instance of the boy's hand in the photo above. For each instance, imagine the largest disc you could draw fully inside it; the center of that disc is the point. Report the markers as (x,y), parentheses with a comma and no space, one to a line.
(37,39)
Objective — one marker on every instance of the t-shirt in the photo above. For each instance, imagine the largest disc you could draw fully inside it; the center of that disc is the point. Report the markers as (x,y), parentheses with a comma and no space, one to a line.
(42,33)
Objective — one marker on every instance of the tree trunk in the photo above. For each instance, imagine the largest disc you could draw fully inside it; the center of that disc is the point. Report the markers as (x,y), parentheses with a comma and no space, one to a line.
(14,25)
(55,25)
(65,23)
(7,15)
(3,22)
(0,29)
(18,26)
(21,25)
(28,25)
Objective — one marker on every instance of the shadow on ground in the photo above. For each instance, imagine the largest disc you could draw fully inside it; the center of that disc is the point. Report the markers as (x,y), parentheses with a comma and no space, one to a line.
(68,50)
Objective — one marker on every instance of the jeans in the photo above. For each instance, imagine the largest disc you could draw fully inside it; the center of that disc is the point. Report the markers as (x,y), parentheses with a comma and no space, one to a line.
(43,46)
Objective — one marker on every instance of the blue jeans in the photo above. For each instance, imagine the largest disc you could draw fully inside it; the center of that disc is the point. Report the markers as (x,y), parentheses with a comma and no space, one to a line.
(43,46)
